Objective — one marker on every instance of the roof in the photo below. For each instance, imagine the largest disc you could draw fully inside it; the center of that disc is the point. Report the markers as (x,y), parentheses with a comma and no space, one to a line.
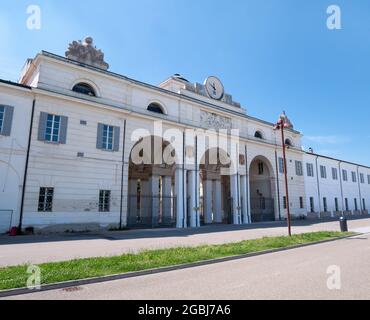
(164,91)
(11,83)
(335,159)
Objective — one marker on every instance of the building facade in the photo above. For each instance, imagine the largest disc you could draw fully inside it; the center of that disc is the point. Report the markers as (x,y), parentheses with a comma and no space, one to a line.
(83,148)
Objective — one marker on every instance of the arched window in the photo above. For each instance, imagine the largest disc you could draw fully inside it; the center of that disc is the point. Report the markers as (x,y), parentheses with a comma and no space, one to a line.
(84,88)
(288,142)
(155,107)
(258,135)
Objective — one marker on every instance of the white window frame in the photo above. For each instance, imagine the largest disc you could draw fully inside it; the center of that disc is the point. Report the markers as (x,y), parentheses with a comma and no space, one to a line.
(310,171)
(362,178)
(299,168)
(323,172)
(281,165)
(53,125)
(46,207)
(107,131)
(104,204)
(334,172)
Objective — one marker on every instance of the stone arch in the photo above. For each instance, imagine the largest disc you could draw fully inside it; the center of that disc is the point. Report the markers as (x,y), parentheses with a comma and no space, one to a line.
(90,83)
(262,189)
(158,104)
(215,187)
(151,200)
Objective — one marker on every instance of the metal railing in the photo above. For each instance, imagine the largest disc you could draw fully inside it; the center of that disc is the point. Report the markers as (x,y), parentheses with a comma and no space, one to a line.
(151,211)
(6,217)
(262,209)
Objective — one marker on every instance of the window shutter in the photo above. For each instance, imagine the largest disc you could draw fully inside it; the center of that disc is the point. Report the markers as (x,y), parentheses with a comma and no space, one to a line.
(42,126)
(8,119)
(117,133)
(99,138)
(63,130)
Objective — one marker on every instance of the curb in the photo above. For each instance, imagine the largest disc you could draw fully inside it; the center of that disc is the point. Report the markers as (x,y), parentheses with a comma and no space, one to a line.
(76,283)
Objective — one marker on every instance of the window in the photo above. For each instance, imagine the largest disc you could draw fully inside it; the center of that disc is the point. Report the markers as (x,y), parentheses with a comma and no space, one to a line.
(284,203)
(258,135)
(354,178)
(336,204)
(84,88)
(156,108)
(310,172)
(356,206)
(299,168)
(288,142)
(312,205)
(364,204)
(260,168)
(334,172)
(368,178)
(52,128)
(281,165)
(301,204)
(108,137)
(104,201)
(346,204)
(6,119)
(325,202)
(2,116)
(323,172)
(345,175)
(362,178)
(46,200)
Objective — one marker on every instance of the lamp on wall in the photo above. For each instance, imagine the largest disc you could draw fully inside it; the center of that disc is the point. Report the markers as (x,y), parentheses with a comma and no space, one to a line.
(284,123)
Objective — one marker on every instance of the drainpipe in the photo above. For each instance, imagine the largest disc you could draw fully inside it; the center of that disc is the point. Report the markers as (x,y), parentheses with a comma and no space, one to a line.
(247,184)
(184,223)
(197,202)
(122,174)
(318,185)
(26,168)
(278,184)
(341,187)
(359,189)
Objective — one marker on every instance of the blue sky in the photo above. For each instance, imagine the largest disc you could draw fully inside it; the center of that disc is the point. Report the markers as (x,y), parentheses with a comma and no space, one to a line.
(271,55)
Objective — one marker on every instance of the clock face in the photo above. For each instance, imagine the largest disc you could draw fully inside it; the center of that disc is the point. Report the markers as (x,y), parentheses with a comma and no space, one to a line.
(214,88)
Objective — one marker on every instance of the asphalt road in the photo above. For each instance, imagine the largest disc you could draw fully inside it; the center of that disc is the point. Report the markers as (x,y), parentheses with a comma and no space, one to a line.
(294,274)
(51,248)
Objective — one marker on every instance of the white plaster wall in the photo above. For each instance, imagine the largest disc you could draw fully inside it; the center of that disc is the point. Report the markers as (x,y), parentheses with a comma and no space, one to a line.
(13,153)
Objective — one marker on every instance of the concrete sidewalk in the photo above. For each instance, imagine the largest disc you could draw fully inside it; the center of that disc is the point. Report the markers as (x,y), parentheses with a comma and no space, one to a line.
(40,249)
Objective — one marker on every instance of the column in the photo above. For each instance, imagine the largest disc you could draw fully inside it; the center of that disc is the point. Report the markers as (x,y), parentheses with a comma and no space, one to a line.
(217,200)
(166,199)
(145,202)
(207,198)
(193,192)
(245,199)
(235,195)
(154,183)
(180,192)
(133,210)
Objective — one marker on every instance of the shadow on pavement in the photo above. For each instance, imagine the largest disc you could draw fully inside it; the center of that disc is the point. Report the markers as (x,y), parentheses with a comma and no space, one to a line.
(157,233)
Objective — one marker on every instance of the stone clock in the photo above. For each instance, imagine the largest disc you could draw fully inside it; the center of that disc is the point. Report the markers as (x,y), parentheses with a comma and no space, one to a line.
(214,88)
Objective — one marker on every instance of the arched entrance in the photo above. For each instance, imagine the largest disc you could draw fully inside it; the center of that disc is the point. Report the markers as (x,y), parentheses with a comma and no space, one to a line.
(261,190)
(151,199)
(215,191)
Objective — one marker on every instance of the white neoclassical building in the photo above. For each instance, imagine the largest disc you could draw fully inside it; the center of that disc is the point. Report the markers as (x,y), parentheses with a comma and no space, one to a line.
(83,148)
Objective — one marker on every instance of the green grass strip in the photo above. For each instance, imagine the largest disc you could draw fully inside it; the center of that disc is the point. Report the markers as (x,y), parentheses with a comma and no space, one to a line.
(16,277)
